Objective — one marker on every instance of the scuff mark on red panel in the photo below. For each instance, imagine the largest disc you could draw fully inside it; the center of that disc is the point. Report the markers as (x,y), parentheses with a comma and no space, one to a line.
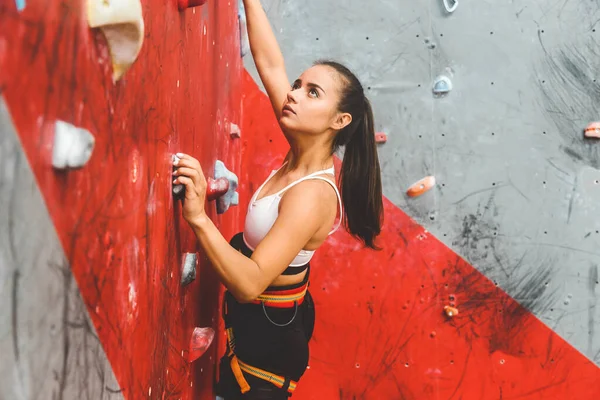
(120,228)
(382,332)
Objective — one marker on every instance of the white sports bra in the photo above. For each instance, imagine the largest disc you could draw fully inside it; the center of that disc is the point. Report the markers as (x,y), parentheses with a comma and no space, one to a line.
(262,214)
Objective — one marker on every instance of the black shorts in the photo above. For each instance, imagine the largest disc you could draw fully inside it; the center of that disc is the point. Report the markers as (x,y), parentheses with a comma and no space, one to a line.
(281,350)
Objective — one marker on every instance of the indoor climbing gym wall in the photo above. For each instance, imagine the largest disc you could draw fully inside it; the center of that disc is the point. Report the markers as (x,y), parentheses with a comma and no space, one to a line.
(103,293)
(487,286)
(487,122)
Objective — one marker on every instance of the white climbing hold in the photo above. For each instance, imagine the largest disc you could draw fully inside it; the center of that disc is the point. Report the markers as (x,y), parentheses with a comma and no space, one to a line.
(73,146)
(235,131)
(442,85)
(188,273)
(450,5)
(122,23)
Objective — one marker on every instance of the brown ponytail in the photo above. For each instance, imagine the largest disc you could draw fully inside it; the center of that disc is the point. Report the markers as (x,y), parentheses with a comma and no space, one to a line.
(360,178)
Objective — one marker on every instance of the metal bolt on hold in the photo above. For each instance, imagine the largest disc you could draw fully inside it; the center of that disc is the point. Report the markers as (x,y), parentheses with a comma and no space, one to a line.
(188,271)
(185,4)
(72,147)
(451,311)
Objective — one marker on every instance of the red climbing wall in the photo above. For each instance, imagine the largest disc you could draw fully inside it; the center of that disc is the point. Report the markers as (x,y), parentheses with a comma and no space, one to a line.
(381,331)
(121,232)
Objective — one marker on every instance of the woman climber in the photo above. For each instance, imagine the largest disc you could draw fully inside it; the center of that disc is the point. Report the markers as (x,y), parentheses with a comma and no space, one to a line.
(268,311)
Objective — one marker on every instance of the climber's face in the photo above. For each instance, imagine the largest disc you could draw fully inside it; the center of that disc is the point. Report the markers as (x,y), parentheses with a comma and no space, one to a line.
(311,106)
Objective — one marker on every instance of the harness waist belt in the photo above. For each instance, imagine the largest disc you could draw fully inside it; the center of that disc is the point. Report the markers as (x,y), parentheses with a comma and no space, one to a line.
(283,298)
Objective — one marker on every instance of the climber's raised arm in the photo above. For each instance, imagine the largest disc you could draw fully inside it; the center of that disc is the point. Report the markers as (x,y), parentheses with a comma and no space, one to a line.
(267,55)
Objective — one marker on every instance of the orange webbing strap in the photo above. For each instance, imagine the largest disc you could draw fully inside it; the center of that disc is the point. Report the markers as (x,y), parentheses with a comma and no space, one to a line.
(276,380)
(235,366)
(238,366)
(283,298)
(239,375)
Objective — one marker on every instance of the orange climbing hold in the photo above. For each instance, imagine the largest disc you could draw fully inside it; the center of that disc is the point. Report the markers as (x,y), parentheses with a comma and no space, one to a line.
(593,130)
(451,311)
(421,186)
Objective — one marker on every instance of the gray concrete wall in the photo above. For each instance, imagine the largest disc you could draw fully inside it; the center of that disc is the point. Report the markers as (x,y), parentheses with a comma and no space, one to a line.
(48,345)
(517,185)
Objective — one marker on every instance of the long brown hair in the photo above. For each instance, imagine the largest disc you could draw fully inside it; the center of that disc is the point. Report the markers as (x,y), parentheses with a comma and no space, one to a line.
(360,178)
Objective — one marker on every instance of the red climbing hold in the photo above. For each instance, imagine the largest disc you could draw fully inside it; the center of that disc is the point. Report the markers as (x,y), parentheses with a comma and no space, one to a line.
(201,340)
(216,188)
(184,4)
(380,137)
(593,130)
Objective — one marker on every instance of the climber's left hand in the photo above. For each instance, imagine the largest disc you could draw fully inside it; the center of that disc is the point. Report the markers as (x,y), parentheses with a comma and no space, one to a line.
(188,172)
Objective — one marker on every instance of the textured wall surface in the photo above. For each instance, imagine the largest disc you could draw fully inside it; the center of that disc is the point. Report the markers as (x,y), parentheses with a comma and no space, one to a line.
(49,346)
(381,332)
(516,197)
(121,233)
(510,232)
(517,185)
